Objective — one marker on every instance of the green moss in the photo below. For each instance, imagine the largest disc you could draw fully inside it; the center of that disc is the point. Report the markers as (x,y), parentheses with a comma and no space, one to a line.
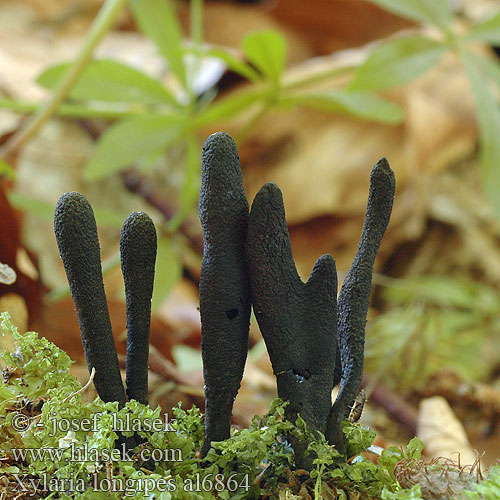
(70,446)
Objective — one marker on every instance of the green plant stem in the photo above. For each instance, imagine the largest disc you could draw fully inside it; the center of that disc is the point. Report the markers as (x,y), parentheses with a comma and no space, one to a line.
(319,77)
(242,134)
(101,25)
(86,111)
(196,34)
(196,23)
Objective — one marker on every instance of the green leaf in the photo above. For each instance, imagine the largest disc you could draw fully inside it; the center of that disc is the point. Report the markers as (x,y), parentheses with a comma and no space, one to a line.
(129,140)
(45,210)
(168,270)
(488,489)
(437,12)
(414,493)
(111,81)
(486,31)
(267,51)
(158,20)
(233,63)
(365,105)
(228,107)
(489,66)
(40,208)
(444,291)
(397,62)
(488,116)
(414,448)
(187,359)
(196,22)
(108,218)
(6,171)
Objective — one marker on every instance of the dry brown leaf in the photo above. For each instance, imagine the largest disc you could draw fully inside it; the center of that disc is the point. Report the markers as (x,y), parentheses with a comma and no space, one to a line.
(442,433)
(15,305)
(330,25)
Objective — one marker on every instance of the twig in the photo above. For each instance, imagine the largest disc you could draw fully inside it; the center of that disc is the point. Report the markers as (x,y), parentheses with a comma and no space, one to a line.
(397,407)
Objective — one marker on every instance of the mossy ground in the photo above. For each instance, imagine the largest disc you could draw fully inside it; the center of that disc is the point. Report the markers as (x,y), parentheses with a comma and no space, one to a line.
(54,445)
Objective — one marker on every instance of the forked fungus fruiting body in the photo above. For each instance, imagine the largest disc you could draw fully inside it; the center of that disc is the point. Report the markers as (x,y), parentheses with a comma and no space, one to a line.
(297,320)
(224,283)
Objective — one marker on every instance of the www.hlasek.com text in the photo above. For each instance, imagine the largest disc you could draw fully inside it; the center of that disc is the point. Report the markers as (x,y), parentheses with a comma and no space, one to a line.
(75,452)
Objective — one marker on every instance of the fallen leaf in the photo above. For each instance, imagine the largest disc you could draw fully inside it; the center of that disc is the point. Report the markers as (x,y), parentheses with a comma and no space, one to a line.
(442,433)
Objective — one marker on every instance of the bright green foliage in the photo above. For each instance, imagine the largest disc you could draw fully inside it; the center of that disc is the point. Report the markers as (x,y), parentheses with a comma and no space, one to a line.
(486,31)
(110,81)
(45,210)
(168,270)
(233,63)
(46,367)
(393,455)
(131,140)
(437,12)
(86,453)
(364,105)
(396,62)
(157,20)
(413,494)
(266,50)
(125,92)
(359,438)
(433,322)
(488,116)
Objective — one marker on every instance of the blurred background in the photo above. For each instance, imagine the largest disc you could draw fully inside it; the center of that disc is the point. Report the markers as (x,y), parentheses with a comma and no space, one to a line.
(115,99)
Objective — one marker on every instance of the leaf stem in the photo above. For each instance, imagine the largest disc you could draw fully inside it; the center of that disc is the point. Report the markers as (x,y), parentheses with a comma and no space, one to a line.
(319,77)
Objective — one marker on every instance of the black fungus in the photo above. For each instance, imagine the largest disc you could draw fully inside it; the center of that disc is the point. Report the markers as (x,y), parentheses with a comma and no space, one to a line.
(76,235)
(354,297)
(138,255)
(297,320)
(224,283)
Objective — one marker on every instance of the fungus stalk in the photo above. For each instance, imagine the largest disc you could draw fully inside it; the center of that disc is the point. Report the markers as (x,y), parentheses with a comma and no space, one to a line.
(354,297)
(224,283)
(76,235)
(138,255)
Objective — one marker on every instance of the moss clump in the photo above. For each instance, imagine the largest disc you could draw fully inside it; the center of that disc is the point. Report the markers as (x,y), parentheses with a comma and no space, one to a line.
(54,445)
